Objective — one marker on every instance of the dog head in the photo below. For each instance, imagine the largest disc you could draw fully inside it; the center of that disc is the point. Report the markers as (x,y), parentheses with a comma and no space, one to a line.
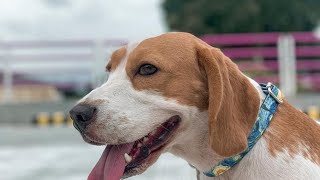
(154,91)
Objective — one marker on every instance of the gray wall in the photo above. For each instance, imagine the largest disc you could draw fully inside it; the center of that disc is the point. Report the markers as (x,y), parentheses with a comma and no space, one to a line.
(23,113)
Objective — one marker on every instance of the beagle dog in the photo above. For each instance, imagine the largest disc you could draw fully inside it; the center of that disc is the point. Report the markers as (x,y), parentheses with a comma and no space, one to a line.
(175,93)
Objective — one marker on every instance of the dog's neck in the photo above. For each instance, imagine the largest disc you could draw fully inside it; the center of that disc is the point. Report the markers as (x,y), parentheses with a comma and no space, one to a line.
(195,149)
(194,146)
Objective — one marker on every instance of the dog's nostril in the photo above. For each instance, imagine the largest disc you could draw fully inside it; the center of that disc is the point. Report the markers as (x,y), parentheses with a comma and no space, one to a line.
(80,118)
(82,114)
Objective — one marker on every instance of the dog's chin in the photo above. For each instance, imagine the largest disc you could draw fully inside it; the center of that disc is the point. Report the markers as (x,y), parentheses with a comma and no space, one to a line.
(91,140)
(141,168)
(146,152)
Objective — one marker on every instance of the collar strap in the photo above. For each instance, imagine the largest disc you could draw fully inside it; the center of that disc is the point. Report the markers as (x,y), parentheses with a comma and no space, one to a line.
(267,109)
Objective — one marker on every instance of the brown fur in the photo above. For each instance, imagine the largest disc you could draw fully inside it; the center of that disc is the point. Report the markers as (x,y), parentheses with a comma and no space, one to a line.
(233,102)
(292,130)
(116,58)
(196,74)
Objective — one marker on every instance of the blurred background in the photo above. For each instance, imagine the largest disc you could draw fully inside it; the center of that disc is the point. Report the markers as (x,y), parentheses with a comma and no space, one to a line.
(52,52)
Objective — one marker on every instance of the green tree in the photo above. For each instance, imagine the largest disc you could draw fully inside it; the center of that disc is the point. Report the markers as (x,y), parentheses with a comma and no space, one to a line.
(231,16)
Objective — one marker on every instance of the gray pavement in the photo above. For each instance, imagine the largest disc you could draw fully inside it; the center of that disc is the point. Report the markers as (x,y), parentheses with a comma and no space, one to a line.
(23,113)
(31,153)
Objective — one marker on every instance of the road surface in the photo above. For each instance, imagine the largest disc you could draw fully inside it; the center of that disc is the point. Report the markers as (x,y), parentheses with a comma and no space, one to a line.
(31,153)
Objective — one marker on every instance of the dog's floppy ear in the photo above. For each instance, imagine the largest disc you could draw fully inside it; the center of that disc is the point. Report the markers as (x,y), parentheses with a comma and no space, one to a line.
(233,103)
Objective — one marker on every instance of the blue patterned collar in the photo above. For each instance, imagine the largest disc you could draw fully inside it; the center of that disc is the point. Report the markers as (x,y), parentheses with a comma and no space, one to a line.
(267,109)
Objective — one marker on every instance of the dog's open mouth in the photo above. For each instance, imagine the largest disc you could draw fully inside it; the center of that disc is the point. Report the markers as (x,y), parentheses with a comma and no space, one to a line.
(124,160)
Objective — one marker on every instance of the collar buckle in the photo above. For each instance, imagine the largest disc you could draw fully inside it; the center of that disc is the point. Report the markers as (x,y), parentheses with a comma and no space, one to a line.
(269,87)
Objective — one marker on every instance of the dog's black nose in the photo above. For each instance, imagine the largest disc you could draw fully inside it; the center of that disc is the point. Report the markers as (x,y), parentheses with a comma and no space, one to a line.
(82,115)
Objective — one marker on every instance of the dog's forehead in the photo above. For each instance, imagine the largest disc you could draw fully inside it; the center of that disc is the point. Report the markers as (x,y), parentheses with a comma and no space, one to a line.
(166,50)
(119,56)
(166,43)
(177,46)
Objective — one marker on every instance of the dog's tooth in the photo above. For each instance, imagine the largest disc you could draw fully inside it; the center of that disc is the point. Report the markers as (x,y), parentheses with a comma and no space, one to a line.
(153,132)
(139,145)
(145,139)
(127,157)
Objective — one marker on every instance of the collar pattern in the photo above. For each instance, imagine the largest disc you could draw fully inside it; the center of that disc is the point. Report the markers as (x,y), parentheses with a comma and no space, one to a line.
(267,109)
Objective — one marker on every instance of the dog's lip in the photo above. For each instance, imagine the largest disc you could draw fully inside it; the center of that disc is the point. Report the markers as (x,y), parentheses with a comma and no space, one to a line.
(90,140)
(154,152)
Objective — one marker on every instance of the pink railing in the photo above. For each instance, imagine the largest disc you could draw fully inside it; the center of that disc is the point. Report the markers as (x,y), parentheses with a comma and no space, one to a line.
(258,55)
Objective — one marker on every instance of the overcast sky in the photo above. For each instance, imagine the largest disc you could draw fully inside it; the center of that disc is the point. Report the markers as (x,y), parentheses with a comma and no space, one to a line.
(80,19)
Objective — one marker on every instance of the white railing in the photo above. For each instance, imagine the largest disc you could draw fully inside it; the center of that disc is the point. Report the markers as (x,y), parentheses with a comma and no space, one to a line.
(85,58)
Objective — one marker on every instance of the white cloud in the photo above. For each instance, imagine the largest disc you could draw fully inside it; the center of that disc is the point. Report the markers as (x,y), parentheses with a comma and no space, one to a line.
(81,19)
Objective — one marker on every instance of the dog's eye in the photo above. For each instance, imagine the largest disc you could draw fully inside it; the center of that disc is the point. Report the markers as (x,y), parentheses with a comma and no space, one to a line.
(147,69)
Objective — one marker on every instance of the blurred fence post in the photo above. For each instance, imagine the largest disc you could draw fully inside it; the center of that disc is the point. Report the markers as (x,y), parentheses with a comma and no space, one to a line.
(7,79)
(287,65)
(97,69)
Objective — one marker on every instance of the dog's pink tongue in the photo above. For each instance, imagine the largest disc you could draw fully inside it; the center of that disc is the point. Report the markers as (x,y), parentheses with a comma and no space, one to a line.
(111,164)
